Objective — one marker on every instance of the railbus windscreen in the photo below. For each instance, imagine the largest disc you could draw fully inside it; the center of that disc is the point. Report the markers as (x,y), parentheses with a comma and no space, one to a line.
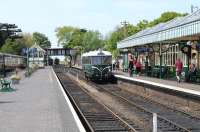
(102,60)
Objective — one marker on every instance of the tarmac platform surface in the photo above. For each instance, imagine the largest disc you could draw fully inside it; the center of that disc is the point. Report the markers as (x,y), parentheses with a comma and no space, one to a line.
(37,105)
(189,88)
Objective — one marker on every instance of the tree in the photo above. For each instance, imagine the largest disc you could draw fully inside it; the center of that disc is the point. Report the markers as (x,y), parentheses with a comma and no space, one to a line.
(8,31)
(72,37)
(127,30)
(41,40)
(57,61)
(27,39)
(166,16)
(142,25)
(64,34)
(92,40)
(13,46)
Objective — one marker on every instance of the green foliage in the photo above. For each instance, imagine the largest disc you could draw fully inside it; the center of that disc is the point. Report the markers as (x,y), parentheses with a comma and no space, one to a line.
(64,35)
(166,16)
(41,40)
(92,40)
(121,33)
(71,37)
(13,46)
(56,61)
(27,39)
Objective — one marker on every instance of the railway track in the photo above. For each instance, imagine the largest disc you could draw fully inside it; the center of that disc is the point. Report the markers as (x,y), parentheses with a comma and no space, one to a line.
(168,119)
(95,116)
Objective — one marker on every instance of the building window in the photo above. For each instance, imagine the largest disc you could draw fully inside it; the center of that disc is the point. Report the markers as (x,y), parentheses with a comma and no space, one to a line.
(169,58)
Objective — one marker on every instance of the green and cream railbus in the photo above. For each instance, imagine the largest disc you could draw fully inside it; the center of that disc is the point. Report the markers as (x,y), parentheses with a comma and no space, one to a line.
(97,65)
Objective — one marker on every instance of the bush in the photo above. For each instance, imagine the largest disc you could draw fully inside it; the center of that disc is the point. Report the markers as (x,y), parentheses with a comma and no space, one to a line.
(31,70)
(56,61)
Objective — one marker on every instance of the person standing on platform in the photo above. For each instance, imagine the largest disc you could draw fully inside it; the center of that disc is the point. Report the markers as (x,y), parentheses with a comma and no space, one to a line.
(192,70)
(138,66)
(130,63)
(179,68)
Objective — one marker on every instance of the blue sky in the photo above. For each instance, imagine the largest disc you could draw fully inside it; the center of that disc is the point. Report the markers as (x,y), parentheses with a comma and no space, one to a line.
(103,15)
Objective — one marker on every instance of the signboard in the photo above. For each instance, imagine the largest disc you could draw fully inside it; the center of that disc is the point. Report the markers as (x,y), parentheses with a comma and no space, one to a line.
(198,46)
(143,49)
(186,49)
(30,50)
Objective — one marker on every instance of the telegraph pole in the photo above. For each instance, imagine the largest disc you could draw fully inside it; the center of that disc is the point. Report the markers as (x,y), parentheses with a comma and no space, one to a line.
(193,8)
(124,25)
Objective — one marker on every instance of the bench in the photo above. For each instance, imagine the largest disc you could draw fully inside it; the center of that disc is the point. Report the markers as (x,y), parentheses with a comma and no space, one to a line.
(5,84)
(155,72)
(196,77)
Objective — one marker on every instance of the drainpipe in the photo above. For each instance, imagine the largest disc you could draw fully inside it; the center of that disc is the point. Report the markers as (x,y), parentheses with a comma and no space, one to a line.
(160,54)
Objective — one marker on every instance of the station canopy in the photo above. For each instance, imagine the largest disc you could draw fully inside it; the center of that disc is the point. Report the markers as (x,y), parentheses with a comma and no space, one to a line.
(179,28)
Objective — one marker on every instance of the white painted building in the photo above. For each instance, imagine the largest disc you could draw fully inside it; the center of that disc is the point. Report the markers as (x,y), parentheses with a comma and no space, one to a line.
(37,56)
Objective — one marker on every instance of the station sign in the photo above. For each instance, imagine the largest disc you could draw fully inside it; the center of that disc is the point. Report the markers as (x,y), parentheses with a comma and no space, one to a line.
(143,49)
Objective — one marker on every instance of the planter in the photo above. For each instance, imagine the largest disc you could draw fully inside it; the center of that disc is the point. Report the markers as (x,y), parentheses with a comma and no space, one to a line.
(15,81)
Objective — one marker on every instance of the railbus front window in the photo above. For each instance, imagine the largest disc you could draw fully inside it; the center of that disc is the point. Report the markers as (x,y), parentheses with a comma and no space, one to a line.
(106,60)
(96,60)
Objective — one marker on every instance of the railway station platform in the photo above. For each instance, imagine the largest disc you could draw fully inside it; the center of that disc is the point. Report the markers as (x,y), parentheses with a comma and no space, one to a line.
(38,105)
(182,87)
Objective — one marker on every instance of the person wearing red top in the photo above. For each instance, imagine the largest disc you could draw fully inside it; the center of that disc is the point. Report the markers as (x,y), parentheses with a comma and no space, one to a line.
(138,66)
(179,68)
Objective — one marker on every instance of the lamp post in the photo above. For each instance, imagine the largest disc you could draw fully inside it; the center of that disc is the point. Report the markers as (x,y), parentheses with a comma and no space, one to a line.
(124,24)
(27,54)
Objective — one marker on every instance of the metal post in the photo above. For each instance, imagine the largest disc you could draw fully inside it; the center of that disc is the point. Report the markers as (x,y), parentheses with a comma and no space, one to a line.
(4,67)
(27,53)
(154,122)
(47,58)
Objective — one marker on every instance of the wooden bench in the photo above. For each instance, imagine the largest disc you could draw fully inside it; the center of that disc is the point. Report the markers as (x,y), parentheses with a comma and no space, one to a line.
(5,84)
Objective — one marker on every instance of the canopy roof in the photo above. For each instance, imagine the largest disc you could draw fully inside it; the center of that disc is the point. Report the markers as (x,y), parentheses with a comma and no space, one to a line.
(178,27)
(38,48)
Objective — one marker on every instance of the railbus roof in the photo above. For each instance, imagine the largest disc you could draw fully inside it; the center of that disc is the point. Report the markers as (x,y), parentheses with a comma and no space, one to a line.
(97,53)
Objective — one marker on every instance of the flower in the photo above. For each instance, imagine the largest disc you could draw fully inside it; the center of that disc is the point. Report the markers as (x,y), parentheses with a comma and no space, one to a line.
(15,77)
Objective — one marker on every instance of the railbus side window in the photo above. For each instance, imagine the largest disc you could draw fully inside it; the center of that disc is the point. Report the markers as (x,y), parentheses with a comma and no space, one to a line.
(86,60)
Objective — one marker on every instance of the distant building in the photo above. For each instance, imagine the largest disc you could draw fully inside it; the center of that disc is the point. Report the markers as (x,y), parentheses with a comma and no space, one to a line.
(37,56)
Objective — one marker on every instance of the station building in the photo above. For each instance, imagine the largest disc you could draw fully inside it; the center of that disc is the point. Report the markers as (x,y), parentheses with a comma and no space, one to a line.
(37,56)
(162,44)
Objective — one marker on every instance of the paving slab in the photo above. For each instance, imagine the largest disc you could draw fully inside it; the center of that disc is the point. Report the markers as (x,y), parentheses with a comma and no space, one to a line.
(37,105)
(183,86)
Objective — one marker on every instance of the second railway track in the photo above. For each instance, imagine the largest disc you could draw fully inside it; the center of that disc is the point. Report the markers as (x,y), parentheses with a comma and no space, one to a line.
(168,119)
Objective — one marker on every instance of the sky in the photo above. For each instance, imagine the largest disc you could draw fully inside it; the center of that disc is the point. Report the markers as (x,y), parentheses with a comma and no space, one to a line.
(104,15)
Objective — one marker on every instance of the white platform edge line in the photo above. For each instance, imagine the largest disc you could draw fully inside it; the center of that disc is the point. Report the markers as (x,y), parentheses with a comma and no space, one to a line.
(190,91)
(77,120)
